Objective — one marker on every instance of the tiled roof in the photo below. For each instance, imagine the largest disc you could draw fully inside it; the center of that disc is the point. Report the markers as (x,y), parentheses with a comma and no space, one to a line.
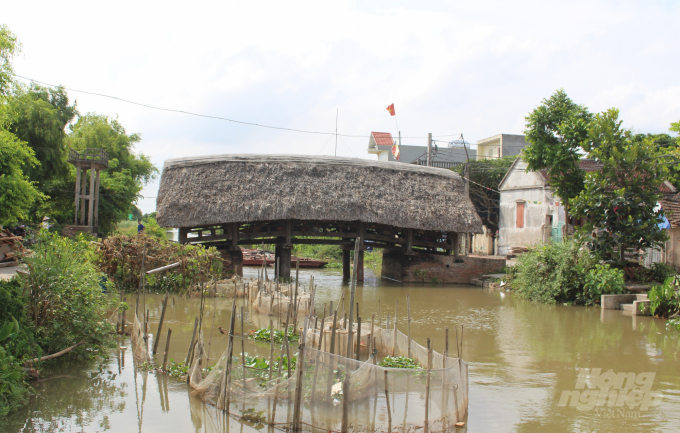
(587,165)
(672,211)
(383,138)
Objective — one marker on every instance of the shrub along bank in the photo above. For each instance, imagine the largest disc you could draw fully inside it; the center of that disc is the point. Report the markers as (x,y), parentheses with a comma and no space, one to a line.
(60,303)
(564,273)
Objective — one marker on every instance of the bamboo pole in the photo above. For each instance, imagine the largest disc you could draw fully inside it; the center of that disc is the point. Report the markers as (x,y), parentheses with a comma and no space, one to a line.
(167,349)
(297,412)
(272,419)
(408,313)
(213,321)
(230,350)
(427,385)
(358,338)
(353,288)
(295,298)
(332,352)
(271,347)
(372,345)
(457,346)
(394,340)
(387,402)
(243,356)
(160,325)
(191,345)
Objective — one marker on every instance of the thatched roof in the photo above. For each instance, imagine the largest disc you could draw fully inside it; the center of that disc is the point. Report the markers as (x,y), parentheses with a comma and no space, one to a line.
(220,189)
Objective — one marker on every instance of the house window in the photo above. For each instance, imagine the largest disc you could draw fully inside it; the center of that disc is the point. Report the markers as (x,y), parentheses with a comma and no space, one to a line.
(520,215)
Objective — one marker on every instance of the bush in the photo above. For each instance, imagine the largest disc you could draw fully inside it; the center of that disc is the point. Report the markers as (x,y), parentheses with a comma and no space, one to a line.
(664,299)
(662,271)
(552,273)
(65,300)
(601,280)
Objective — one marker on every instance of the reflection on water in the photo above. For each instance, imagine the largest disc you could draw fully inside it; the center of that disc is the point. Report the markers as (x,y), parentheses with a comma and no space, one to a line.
(521,357)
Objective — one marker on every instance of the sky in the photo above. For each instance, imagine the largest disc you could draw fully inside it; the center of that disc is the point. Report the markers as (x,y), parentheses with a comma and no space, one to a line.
(473,68)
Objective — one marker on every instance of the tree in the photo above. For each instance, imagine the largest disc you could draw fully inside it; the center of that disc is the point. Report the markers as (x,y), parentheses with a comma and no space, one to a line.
(120,183)
(39,117)
(486,175)
(556,130)
(621,198)
(17,193)
(9,48)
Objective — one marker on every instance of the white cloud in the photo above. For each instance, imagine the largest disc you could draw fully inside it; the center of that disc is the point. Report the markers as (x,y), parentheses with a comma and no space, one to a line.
(471,67)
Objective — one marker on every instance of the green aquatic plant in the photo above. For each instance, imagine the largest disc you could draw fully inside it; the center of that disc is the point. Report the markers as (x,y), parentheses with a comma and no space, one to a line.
(264,334)
(399,362)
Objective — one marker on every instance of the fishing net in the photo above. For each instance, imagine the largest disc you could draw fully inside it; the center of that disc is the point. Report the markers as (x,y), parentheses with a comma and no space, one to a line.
(262,386)
(139,341)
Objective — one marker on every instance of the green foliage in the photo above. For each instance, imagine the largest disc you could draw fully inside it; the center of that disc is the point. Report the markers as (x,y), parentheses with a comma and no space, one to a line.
(177,370)
(661,271)
(9,48)
(151,227)
(673,324)
(485,174)
(120,184)
(664,299)
(601,280)
(65,302)
(13,386)
(17,193)
(556,130)
(622,197)
(120,257)
(264,334)
(321,252)
(555,272)
(399,362)
(253,416)
(39,117)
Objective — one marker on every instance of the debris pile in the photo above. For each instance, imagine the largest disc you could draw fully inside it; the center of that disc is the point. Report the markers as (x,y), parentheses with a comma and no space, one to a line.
(10,247)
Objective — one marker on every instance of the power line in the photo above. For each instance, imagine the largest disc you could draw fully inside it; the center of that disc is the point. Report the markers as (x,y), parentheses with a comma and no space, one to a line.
(207,116)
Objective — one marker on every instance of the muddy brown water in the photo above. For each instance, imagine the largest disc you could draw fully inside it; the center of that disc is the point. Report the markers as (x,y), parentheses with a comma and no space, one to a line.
(522,356)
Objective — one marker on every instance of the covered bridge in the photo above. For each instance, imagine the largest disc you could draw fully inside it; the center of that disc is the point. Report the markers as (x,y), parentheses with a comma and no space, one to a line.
(233,200)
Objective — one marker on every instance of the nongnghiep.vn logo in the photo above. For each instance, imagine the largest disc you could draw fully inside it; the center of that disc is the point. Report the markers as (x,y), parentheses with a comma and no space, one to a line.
(613,390)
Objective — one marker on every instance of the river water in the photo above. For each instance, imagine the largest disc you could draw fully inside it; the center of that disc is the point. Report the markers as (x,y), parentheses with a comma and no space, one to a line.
(522,356)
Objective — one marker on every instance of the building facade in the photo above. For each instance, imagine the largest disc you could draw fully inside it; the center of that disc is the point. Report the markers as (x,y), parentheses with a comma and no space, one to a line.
(500,145)
(380,144)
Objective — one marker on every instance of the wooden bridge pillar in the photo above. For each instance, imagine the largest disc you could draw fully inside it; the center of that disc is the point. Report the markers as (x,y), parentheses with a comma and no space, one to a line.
(283,255)
(359,263)
(346,269)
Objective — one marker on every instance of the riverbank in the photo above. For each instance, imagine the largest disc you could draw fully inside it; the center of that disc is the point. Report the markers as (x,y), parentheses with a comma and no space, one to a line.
(522,356)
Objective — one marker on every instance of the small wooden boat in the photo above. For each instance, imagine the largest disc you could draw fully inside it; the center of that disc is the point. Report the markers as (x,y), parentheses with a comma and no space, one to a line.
(255,258)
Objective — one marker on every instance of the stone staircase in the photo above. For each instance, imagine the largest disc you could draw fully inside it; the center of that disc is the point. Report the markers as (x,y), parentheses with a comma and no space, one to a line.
(629,303)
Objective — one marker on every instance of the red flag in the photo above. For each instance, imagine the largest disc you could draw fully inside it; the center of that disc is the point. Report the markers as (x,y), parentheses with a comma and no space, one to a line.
(395,150)
(391,109)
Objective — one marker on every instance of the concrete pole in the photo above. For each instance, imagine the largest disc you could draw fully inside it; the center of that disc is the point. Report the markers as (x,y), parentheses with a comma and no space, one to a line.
(75,216)
(83,190)
(90,214)
(429,149)
(96,202)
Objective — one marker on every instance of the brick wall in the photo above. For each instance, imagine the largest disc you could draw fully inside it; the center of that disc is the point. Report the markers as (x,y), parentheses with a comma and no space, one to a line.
(434,268)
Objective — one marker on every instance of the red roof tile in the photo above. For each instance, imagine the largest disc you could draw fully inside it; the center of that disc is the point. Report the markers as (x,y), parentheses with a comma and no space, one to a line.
(672,210)
(383,138)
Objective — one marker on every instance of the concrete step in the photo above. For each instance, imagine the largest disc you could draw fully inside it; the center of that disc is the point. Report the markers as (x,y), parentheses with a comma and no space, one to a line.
(634,309)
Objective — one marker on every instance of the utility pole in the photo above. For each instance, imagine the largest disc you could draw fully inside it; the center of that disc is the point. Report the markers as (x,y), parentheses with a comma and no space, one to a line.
(429,149)
(336,132)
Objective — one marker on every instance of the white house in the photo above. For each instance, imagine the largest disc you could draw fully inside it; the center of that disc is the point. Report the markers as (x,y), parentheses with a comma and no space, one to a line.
(500,145)
(529,211)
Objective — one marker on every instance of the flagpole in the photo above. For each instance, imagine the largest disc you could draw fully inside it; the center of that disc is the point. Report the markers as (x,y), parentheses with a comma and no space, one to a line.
(336,132)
